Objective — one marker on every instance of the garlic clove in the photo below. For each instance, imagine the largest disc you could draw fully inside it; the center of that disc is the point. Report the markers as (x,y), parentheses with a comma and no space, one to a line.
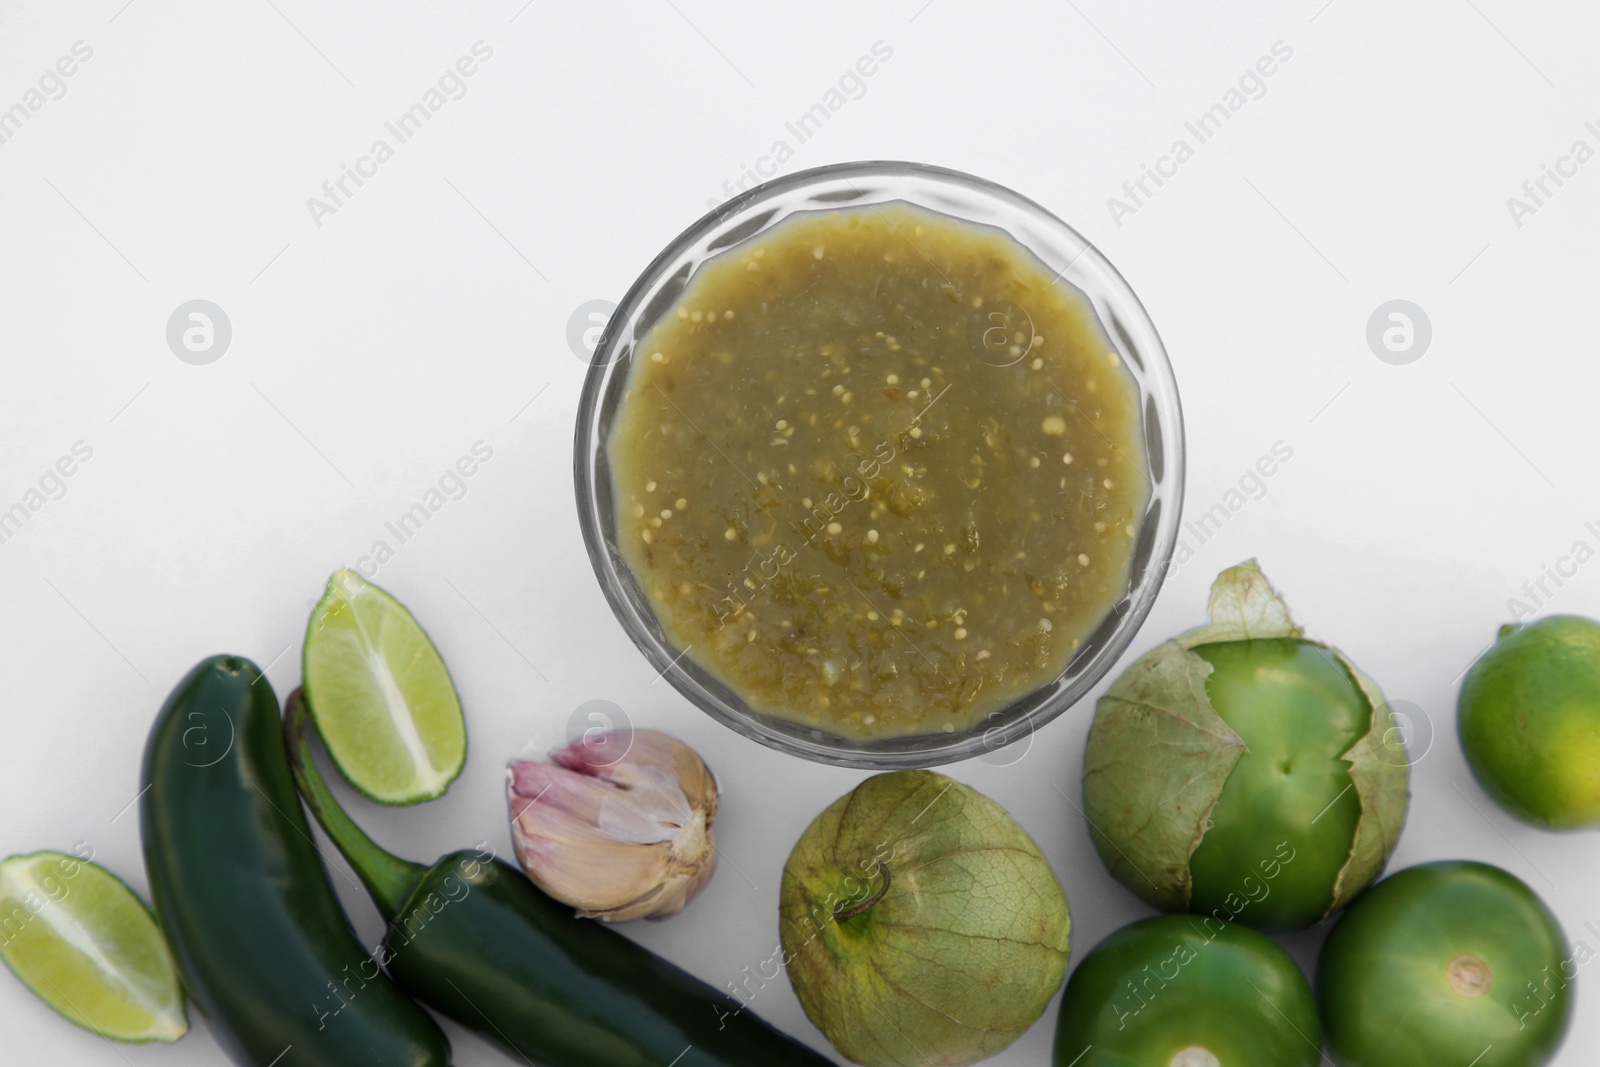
(624,839)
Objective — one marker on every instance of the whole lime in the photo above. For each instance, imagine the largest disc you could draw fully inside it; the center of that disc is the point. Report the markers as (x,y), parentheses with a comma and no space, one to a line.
(920,924)
(1529,720)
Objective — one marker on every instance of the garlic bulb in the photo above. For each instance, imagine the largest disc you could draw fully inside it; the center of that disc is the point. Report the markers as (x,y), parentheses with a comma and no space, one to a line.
(626,839)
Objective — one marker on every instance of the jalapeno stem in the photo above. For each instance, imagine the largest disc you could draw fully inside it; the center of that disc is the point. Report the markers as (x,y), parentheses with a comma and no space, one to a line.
(388,878)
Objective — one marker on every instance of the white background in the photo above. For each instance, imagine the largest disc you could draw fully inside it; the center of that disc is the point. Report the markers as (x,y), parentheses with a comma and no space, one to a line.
(371,352)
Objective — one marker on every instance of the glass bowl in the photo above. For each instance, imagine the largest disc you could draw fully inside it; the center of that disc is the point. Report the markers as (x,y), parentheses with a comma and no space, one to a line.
(968,199)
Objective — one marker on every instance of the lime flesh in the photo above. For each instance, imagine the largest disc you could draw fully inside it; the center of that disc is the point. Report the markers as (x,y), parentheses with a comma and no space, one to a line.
(381,696)
(89,948)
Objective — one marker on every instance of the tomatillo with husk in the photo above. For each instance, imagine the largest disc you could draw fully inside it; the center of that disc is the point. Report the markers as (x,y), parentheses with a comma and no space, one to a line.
(1529,721)
(1244,771)
(920,924)
(1452,962)
(1182,991)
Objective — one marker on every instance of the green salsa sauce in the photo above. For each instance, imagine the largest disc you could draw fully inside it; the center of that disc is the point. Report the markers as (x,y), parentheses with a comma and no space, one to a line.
(878,471)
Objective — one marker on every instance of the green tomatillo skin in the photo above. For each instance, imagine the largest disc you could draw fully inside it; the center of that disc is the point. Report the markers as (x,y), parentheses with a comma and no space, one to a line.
(1447,963)
(1244,772)
(920,924)
(1529,721)
(1289,797)
(1186,991)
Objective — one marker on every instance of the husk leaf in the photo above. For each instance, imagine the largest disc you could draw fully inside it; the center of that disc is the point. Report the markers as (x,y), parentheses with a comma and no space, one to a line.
(1244,607)
(1146,825)
(1381,774)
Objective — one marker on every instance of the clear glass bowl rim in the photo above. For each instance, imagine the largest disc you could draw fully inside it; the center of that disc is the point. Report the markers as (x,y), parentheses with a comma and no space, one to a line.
(1158,387)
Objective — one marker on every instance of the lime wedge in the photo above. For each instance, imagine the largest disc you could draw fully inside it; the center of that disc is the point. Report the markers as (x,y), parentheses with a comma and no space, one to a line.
(380,695)
(89,948)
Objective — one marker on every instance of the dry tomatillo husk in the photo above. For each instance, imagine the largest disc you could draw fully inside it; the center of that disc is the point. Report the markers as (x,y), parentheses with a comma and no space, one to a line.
(920,924)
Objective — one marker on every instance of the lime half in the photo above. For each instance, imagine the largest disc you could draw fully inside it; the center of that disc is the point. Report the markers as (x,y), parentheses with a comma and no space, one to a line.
(89,948)
(380,695)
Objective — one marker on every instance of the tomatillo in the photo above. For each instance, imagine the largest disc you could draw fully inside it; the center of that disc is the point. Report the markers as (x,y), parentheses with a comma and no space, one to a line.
(1178,991)
(1243,771)
(1449,962)
(920,924)
(1529,720)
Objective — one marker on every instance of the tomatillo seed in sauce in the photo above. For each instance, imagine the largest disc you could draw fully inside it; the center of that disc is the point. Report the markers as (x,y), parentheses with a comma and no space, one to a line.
(878,471)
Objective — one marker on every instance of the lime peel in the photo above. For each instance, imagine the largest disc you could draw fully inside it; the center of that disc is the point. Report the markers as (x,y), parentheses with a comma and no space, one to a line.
(97,956)
(1528,717)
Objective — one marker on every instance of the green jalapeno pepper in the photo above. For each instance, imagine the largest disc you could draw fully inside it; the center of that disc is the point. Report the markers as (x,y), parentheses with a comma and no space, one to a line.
(473,938)
(261,943)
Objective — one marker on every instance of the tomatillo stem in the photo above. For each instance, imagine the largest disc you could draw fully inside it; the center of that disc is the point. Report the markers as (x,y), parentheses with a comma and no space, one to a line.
(860,908)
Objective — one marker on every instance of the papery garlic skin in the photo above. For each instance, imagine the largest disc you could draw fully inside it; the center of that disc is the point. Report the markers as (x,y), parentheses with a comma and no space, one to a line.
(629,838)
